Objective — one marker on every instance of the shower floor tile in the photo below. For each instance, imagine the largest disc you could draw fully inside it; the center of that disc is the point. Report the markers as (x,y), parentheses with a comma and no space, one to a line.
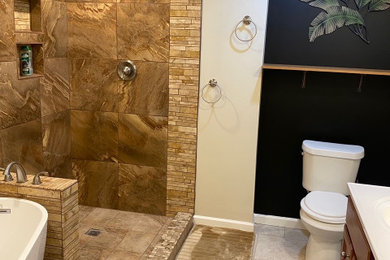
(123,235)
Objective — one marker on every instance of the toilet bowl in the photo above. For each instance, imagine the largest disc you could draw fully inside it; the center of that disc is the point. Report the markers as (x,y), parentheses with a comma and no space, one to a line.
(323,215)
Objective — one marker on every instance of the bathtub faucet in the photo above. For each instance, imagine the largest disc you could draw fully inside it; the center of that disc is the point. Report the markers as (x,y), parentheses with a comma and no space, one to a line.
(20,173)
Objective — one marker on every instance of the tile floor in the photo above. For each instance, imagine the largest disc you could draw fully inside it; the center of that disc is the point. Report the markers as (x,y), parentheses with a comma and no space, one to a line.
(129,235)
(270,243)
(279,243)
(216,243)
(124,235)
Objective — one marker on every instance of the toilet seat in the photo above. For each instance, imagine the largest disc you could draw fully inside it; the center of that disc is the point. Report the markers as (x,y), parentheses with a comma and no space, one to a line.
(328,207)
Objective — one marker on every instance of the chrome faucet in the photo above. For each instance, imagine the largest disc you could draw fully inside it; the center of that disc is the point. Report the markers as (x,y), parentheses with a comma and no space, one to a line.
(20,173)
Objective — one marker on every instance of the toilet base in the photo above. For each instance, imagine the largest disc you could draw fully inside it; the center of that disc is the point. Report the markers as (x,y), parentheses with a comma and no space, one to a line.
(325,239)
(319,249)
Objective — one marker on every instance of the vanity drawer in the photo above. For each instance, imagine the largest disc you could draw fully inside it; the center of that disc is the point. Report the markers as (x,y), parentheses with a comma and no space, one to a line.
(360,244)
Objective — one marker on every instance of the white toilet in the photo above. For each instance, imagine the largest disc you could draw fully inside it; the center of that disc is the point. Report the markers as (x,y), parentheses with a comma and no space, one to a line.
(327,168)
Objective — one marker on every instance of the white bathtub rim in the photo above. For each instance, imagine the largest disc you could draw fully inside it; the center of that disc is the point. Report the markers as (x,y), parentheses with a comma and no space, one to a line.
(37,230)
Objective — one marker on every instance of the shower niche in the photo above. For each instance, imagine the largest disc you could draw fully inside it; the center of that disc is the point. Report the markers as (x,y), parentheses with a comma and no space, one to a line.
(28,16)
(37,60)
(28,32)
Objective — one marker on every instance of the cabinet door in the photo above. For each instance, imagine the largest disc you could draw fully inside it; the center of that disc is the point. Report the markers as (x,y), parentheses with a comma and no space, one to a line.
(358,238)
(347,249)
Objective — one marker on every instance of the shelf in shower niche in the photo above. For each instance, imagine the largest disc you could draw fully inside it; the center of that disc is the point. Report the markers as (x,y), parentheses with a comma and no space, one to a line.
(29,37)
(35,75)
(37,60)
(326,69)
(27,14)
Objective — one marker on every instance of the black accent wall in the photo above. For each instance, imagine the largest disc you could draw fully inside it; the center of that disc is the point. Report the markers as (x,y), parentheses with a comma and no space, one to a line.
(331,109)
(287,40)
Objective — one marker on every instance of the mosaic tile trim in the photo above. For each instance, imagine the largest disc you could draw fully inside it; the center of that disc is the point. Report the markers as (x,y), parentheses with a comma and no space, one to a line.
(185,26)
(173,238)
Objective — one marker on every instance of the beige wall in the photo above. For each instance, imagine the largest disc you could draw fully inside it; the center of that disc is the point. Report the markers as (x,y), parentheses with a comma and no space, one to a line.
(227,131)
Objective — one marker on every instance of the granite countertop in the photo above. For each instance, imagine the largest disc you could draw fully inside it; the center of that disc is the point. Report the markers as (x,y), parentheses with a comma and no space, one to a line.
(370,201)
(48,183)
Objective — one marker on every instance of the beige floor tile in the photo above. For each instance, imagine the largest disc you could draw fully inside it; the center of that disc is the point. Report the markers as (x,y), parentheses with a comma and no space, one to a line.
(123,255)
(93,253)
(84,211)
(150,223)
(277,248)
(100,216)
(124,220)
(296,234)
(108,238)
(269,230)
(136,242)
(124,235)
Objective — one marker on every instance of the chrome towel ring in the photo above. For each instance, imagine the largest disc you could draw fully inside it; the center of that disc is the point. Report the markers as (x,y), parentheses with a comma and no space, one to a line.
(247,20)
(215,96)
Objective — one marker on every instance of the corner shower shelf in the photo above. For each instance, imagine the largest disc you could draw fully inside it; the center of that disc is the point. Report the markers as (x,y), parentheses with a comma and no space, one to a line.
(326,69)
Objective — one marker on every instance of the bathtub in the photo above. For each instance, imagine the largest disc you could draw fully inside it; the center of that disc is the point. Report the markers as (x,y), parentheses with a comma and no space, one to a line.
(23,227)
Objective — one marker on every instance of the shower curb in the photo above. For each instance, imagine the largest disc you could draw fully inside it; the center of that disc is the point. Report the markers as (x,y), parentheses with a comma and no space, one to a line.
(173,238)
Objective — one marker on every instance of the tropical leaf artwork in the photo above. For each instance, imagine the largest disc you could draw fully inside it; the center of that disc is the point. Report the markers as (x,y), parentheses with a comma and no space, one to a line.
(339,13)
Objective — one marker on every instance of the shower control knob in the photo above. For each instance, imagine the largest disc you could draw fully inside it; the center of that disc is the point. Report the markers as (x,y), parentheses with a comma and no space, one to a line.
(127,70)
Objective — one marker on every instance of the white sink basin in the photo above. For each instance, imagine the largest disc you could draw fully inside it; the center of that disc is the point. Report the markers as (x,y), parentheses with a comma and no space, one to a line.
(383,208)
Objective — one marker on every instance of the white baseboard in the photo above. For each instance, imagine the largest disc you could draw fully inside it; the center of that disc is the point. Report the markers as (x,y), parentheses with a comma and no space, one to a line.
(278,221)
(224,223)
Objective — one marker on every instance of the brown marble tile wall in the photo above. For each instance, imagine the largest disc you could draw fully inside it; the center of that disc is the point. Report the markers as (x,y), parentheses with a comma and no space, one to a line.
(56,142)
(119,129)
(20,99)
(55,28)
(35,118)
(55,91)
(94,84)
(132,145)
(94,135)
(143,31)
(23,143)
(147,94)
(98,182)
(7,35)
(92,30)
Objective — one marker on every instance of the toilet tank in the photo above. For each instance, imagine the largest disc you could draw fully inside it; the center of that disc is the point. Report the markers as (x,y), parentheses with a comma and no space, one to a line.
(330,166)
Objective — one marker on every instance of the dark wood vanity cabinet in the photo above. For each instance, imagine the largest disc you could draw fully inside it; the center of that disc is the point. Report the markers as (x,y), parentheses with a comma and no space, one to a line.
(355,244)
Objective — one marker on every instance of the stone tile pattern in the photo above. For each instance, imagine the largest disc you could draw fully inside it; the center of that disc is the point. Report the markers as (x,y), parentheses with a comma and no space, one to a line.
(60,198)
(132,120)
(185,22)
(206,242)
(172,238)
(123,235)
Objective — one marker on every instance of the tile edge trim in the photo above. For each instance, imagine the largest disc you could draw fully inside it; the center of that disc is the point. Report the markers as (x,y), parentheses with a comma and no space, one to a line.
(224,223)
(277,221)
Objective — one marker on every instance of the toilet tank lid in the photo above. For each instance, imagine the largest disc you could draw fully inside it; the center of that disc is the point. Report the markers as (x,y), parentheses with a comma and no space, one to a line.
(344,151)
